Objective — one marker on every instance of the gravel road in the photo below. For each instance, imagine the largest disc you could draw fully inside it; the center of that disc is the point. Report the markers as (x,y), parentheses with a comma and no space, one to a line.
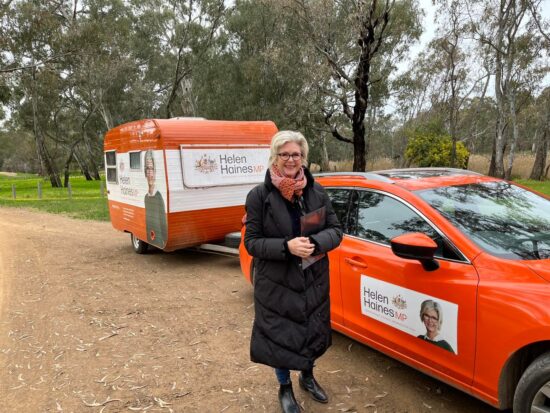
(87,325)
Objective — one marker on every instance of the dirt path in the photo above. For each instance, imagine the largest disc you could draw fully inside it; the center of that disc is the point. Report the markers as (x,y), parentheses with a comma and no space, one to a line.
(86,325)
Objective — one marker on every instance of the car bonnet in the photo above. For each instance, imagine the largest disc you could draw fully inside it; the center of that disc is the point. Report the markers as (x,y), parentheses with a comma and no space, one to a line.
(540,267)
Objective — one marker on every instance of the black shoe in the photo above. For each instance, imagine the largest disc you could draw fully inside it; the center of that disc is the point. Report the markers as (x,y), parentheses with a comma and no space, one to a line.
(309,384)
(287,399)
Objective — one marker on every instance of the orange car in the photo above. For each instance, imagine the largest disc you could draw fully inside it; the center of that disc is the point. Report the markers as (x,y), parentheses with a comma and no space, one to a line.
(448,271)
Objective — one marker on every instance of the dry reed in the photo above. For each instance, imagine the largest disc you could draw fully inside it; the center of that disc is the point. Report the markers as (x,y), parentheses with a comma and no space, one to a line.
(523,164)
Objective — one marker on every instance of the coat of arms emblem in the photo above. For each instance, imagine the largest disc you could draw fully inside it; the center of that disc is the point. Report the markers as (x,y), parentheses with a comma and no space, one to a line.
(206,164)
(399,302)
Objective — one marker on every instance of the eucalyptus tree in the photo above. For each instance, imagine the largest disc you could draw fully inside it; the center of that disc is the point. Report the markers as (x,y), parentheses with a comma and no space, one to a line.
(525,82)
(500,28)
(360,43)
(101,80)
(542,141)
(540,24)
(252,70)
(450,52)
(72,65)
(257,70)
(35,46)
(108,75)
(4,46)
(411,89)
(176,37)
(476,119)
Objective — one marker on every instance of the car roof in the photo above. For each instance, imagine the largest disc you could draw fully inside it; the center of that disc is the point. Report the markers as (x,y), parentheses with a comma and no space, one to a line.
(412,179)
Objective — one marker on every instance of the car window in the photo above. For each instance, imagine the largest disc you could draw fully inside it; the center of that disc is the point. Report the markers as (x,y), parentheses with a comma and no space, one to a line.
(340,199)
(503,219)
(381,217)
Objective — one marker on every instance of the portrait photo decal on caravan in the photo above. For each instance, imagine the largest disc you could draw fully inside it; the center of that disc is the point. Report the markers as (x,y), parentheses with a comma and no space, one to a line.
(155,210)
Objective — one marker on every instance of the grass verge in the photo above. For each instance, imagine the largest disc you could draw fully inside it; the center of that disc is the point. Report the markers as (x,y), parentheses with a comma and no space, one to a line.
(540,186)
(85,202)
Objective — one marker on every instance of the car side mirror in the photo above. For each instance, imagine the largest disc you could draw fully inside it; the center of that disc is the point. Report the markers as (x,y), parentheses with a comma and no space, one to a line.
(416,246)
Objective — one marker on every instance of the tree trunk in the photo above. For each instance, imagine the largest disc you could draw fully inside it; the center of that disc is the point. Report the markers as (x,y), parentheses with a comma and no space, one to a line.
(542,146)
(497,158)
(540,156)
(453,112)
(500,138)
(515,133)
(179,75)
(105,114)
(371,121)
(90,155)
(359,155)
(453,135)
(324,164)
(83,167)
(372,25)
(67,170)
(474,129)
(492,165)
(46,161)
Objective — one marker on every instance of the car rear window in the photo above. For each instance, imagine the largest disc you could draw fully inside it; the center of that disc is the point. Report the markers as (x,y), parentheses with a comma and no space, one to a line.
(503,219)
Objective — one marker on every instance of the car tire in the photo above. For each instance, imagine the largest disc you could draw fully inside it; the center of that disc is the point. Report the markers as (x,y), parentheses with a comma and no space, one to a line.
(138,245)
(233,240)
(533,389)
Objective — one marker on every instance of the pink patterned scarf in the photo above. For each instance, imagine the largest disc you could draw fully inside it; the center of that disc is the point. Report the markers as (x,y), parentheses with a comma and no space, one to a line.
(289,187)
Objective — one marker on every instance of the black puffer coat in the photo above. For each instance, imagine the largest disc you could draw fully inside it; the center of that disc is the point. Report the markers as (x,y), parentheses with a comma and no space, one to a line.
(292,306)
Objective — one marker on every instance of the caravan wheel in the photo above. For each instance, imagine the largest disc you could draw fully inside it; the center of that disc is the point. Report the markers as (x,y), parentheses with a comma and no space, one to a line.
(138,245)
(233,240)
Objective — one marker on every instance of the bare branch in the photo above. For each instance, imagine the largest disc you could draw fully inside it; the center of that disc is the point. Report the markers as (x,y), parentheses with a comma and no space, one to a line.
(536,19)
(333,64)
(333,130)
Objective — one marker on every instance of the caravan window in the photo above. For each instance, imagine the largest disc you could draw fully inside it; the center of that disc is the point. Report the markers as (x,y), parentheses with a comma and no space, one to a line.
(110,158)
(135,160)
(110,166)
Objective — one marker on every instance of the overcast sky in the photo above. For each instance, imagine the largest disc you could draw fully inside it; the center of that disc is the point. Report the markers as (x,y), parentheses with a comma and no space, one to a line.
(429,25)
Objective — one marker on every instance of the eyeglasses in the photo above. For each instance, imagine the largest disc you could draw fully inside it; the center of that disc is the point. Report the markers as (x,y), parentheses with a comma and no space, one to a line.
(286,156)
(430,317)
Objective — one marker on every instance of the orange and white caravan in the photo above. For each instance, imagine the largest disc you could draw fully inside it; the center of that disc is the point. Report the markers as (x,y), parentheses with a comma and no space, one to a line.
(176,183)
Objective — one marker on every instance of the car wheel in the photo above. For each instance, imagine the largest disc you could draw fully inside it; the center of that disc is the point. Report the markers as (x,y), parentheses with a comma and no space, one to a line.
(233,239)
(138,245)
(533,390)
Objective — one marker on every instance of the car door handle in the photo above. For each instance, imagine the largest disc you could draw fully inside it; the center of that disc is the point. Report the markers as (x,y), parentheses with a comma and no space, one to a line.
(355,263)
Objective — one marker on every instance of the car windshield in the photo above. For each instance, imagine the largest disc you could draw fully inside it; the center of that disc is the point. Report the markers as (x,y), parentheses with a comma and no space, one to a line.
(503,219)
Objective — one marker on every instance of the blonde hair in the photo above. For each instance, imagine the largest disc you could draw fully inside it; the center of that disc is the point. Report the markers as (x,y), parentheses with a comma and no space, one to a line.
(432,305)
(148,157)
(283,137)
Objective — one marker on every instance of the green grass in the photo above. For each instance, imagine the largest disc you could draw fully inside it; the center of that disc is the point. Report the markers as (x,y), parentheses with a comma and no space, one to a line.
(540,186)
(86,201)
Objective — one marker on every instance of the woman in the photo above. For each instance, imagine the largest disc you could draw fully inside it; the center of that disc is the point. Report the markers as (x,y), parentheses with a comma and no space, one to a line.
(155,213)
(432,317)
(292,307)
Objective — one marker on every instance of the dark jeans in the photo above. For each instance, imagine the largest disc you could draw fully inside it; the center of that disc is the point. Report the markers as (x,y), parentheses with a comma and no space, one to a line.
(283,375)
